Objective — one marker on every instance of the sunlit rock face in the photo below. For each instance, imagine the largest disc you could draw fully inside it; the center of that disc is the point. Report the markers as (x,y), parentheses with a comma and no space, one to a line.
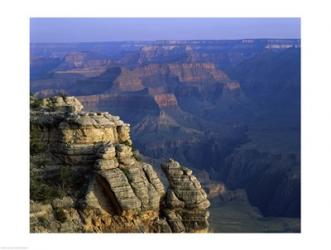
(186,200)
(104,184)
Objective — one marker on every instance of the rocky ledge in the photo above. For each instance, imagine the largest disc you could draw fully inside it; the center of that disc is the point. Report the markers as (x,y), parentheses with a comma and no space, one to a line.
(87,177)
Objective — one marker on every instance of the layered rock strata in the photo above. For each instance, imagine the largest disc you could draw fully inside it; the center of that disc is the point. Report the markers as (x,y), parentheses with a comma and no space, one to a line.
(114,191)
(186,200)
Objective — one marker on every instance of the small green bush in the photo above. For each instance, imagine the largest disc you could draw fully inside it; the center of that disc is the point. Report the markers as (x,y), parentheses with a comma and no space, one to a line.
(36,147)
(125,171)
(60,215)
(43,222)
(41,191)
(59,186)
(35,103)
(127,143)
(65,179)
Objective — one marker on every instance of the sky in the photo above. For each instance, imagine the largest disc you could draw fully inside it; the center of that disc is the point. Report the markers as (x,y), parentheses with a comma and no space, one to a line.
(63,30)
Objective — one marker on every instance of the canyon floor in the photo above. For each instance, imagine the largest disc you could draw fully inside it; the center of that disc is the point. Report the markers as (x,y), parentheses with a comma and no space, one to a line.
(240,217)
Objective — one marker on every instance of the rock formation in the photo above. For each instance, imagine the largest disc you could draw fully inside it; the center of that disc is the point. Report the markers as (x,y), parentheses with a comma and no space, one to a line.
(186,200)
(82,64)
(166,100)
(89,178)
(195,73)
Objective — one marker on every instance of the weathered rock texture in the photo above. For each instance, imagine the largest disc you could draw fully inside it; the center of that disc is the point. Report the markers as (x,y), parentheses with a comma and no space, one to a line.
(104,186)
(186,200)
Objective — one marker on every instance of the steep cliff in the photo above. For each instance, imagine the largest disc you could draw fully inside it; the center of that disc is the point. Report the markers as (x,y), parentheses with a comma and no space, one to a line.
(87,177)
(82,63)
(153,75)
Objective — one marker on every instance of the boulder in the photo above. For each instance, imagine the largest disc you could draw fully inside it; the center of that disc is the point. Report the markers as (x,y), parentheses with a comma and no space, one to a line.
(65,202)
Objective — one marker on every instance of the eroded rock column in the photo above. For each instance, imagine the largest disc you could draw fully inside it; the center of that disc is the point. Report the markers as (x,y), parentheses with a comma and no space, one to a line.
(186,202)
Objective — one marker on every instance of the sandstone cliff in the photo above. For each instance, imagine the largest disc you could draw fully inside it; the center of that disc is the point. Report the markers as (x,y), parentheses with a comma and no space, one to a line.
(83,64)
(87,177)
(158,74)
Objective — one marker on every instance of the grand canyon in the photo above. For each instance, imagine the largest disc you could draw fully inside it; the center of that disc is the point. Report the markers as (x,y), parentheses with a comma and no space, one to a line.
(228,110)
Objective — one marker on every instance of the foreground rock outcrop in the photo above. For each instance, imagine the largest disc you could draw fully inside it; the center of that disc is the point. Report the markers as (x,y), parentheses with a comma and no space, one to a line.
(87,177)
(186,200)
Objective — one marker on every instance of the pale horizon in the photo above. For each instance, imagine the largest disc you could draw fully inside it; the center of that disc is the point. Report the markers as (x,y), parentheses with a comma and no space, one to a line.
(85,30)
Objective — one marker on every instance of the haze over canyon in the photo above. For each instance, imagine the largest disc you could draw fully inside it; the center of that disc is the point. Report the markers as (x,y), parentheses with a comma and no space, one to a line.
(227,109)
